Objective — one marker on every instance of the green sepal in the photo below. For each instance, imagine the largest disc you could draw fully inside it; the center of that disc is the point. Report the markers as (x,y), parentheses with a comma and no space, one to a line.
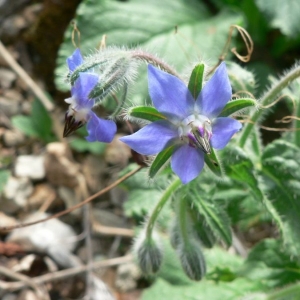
(236,105)
(213,162)
(161,158)
(196,80)
(146,113)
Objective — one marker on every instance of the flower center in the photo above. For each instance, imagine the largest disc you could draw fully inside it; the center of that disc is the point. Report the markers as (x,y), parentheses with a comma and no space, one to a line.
(196,131)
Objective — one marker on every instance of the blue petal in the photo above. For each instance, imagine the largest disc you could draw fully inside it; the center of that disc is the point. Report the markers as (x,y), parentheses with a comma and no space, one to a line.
(222,131)
(82,88)
(152,138)
(74,60)
(100,130)
(187,162)
(169,94)
(215,93)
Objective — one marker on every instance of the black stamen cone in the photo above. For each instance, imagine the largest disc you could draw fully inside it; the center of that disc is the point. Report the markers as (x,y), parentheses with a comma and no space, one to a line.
(71,125)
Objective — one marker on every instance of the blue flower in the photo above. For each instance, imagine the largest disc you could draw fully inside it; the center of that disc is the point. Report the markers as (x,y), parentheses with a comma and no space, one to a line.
(74,60)
(80,109)
(192,126)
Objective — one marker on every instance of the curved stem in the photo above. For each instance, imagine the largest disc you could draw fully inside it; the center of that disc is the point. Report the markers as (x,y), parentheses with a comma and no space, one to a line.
(297,125)
(267,99)
(149,58)
(163,200)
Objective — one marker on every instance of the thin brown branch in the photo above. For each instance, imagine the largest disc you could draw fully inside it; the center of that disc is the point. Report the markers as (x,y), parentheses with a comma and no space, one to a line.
(24,281)
(26,78)
(66,211)
(63,274)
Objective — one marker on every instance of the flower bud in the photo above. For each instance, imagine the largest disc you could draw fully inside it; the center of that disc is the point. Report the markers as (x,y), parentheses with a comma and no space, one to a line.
(149,254)
(115,67)
(192,260)
(175,234)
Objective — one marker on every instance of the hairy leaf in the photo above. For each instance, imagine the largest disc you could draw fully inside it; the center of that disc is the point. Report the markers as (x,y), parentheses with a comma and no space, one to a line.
(281,174)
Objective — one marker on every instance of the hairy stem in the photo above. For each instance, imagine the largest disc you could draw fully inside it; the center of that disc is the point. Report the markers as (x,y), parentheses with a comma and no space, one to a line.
(149,58)
(267,99)
(183,221)
(297,125)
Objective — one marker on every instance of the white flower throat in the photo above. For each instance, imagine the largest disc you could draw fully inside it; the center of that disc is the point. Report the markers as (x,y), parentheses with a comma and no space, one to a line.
(196,131)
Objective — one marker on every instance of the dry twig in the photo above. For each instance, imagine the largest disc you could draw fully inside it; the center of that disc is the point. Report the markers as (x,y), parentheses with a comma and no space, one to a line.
(63,274)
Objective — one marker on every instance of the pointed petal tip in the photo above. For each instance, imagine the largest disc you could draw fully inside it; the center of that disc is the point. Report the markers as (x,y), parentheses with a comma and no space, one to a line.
(75,60)
(187,162)
(223,130)
(215,93)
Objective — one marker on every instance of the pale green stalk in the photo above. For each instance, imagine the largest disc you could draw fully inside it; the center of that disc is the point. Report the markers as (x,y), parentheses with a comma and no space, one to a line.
(266,100)
(163,200)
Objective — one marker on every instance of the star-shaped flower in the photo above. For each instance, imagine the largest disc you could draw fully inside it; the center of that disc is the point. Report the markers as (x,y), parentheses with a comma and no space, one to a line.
(191,125)
(80,109)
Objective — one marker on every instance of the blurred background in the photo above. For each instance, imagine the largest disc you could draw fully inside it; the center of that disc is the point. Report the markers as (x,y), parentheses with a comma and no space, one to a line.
(41,174)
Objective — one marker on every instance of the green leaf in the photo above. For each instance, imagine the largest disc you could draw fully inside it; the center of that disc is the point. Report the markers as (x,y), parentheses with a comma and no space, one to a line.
(146,113)
(214,216)
(196,80)
(234,106)
(25,124)
(38,124)
(144,195)
(4,175)
(202,230)
(239,167)
(202,290)
(81,145)
(149,25)
(281,174)
(268,262)
(282,14)
(41,120)
(160,160)
(242,80)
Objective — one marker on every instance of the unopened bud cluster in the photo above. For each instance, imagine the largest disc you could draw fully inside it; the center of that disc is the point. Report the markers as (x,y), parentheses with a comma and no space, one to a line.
(149,253)
(115,67)
(192,259)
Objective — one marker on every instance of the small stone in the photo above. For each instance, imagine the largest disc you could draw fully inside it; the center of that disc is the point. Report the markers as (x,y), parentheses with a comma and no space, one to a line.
(31,12)
(12,26)
(11,50)
(117,152)
(9,296)
(12,138)
(13,95)
(52,237)
(43,194)
(27,294)
(9,107)
(5,220)
(60,170)
(93,168)
(107,218)
(31,166)
(15,194)
(7,78)
(70,198)
(127,276)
